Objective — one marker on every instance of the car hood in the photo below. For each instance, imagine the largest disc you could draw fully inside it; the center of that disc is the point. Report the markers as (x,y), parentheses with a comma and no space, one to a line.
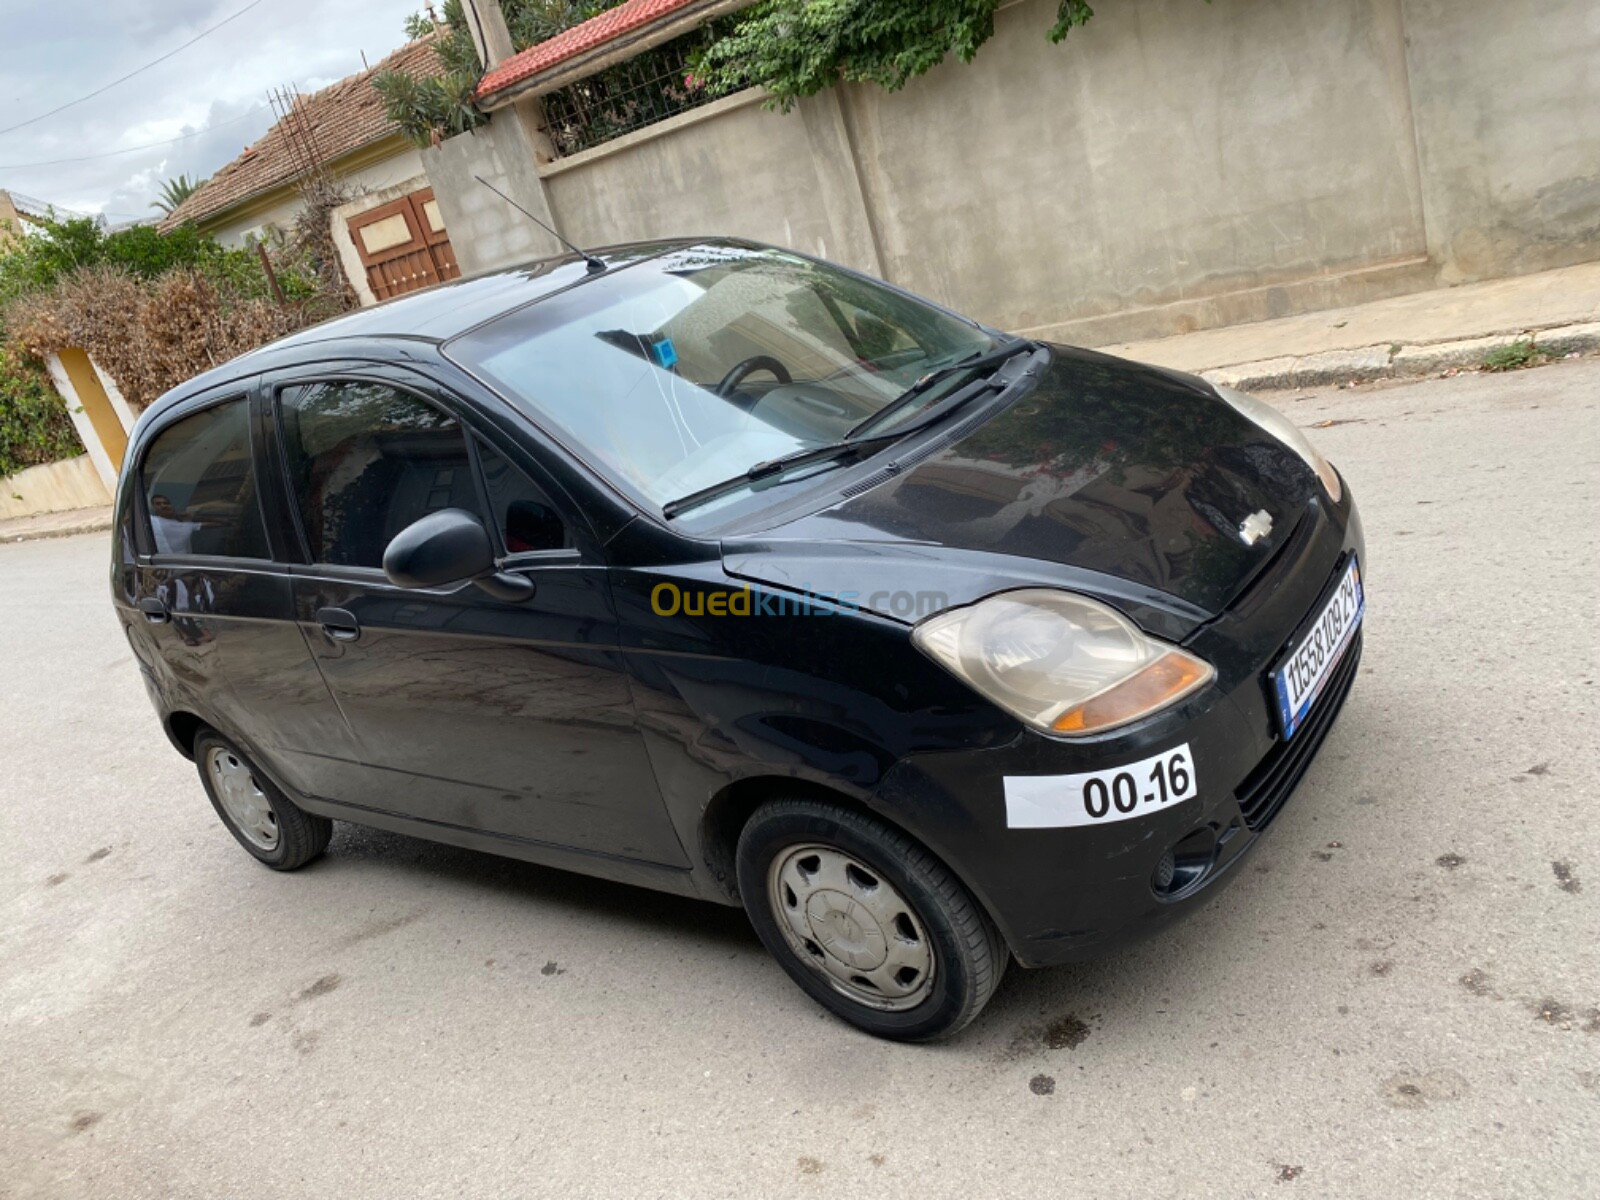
(1106,475)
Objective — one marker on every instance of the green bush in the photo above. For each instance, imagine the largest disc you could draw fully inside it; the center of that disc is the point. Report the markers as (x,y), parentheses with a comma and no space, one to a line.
(796,48)
(34,425)
(442,106)
(50,250)
(792,48)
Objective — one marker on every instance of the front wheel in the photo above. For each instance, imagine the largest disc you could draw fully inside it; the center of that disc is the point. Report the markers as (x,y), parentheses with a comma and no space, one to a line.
(263,820)
(867,922)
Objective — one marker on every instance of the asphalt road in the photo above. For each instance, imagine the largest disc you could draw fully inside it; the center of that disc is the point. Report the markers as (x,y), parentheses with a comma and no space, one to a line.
(1400,997)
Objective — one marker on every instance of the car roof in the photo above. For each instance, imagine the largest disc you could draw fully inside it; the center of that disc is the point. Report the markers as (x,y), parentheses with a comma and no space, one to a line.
(433,315)
(439,313)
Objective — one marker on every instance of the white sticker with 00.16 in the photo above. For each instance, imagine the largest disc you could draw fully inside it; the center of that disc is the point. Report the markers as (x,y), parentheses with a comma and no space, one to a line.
(1100,797)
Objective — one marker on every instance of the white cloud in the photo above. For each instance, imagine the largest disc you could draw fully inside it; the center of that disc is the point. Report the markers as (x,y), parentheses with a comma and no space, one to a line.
(217,87)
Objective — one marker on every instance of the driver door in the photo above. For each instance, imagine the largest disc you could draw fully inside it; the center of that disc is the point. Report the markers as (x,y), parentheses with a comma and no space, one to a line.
(511,718)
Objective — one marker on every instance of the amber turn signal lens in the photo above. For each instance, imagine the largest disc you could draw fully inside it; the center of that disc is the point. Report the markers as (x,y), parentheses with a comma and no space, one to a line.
(1171,676)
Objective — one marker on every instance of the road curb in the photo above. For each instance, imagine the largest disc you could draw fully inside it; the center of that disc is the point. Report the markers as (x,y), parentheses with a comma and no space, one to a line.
(1397,360)
(9,537)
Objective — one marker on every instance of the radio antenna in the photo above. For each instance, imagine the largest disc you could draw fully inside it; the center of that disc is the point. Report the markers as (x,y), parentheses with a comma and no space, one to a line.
(592,264)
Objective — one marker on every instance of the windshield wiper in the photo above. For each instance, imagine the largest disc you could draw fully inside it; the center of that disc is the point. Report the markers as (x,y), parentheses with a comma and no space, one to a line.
(805,457)
(973,362)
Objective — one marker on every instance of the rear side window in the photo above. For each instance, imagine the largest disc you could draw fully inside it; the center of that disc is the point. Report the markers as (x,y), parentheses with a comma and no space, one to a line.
(200,486)
(366,460)
(523,513)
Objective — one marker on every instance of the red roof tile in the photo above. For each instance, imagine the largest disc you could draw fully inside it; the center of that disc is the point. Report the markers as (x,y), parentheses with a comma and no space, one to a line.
(342,117)
(596,31)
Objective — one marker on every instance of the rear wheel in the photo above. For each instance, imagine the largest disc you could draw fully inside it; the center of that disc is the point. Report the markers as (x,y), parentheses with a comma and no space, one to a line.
(263,820)
(871,925)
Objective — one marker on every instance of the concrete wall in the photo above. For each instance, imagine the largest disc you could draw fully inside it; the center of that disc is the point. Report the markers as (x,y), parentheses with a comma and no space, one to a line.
(99,411)
(1507,103)
(1167,149)
(53,487)
(103,419)
(485,231)
(1174,165)
(729,168)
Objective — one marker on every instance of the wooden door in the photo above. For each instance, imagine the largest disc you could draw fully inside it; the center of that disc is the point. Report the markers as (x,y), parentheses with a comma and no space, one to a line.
(404,246)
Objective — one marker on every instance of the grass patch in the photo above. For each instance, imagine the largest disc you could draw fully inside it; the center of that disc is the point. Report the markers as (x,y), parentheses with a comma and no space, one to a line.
(1520,353)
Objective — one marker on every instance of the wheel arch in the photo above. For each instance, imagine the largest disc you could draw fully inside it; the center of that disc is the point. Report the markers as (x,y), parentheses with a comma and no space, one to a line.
(731,808)
(182,728)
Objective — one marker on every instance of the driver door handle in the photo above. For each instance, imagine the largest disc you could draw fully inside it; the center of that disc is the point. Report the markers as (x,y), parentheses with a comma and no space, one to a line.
(340,624)
(154,610)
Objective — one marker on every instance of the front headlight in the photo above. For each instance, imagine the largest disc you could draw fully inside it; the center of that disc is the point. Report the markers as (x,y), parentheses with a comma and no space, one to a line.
(1287,432)
(1065,664)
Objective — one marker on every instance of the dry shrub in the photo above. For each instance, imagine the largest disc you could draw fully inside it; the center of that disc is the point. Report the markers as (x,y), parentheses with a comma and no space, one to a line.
(149,337)
(311,247)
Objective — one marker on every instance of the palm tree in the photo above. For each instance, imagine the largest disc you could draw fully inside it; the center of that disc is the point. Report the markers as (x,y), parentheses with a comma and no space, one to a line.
(174,192)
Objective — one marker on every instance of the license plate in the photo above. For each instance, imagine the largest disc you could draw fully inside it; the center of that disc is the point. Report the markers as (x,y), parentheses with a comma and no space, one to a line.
(1301,674)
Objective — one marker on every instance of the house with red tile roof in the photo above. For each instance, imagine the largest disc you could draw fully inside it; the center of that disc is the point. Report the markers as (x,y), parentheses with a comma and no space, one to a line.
(343,125)
(610,36)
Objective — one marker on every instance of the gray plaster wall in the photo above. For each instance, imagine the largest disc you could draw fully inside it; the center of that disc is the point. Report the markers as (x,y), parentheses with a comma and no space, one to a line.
(1169,149)
(1173,165)
(1507,102)
(737,170)
(485,231)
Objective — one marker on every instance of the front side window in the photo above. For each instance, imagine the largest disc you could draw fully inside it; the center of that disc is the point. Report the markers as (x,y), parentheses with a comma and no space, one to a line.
(366,460)
(200,486)
(688,368)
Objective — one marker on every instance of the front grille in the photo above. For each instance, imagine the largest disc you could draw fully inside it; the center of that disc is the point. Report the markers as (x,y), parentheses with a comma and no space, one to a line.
(1271,783)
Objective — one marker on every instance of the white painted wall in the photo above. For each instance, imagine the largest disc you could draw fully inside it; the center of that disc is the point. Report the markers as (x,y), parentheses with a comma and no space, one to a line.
(53,487)
(374,177)
(98,455)
(234,232)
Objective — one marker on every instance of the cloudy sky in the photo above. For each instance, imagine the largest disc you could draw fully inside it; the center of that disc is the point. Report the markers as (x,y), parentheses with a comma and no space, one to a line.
(213,94)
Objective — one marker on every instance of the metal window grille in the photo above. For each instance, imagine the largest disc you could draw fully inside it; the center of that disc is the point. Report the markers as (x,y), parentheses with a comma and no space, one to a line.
(658,84)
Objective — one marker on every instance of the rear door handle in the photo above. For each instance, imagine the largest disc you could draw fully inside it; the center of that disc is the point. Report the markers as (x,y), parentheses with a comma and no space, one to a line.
(338,623)
(155,610)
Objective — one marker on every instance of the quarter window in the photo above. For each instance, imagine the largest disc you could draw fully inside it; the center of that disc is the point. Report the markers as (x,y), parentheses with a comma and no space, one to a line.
(523,513)
(366,460)
(200,486)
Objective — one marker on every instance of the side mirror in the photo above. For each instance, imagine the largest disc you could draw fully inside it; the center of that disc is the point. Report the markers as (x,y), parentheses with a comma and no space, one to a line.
(445,547)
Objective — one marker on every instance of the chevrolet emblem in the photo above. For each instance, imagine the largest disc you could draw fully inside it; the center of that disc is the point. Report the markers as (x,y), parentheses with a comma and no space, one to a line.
(1255,527)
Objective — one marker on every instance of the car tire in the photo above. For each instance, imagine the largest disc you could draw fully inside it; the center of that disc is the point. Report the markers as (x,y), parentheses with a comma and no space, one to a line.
(261,818)
(910,954)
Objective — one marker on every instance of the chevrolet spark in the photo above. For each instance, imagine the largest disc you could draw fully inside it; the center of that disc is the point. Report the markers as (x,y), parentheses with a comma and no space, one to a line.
(713,568)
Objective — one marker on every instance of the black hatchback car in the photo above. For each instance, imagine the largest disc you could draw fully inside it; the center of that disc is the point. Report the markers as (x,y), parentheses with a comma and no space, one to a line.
(714,568)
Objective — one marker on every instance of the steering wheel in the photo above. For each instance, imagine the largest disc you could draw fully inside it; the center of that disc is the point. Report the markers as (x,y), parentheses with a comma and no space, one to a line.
(757,362)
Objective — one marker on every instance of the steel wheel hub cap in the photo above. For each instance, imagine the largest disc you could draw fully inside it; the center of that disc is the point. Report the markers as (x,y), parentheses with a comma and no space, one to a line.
(242,799)
(845,920)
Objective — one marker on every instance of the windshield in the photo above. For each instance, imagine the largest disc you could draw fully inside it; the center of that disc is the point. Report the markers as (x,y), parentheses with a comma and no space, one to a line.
(690,368)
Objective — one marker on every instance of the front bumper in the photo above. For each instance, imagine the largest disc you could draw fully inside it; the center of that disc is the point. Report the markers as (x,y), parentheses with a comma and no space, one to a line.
(1061,895)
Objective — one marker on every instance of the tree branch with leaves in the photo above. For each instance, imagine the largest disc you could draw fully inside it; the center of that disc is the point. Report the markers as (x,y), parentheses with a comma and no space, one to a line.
(796,48)
(441,106)
(175,191)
